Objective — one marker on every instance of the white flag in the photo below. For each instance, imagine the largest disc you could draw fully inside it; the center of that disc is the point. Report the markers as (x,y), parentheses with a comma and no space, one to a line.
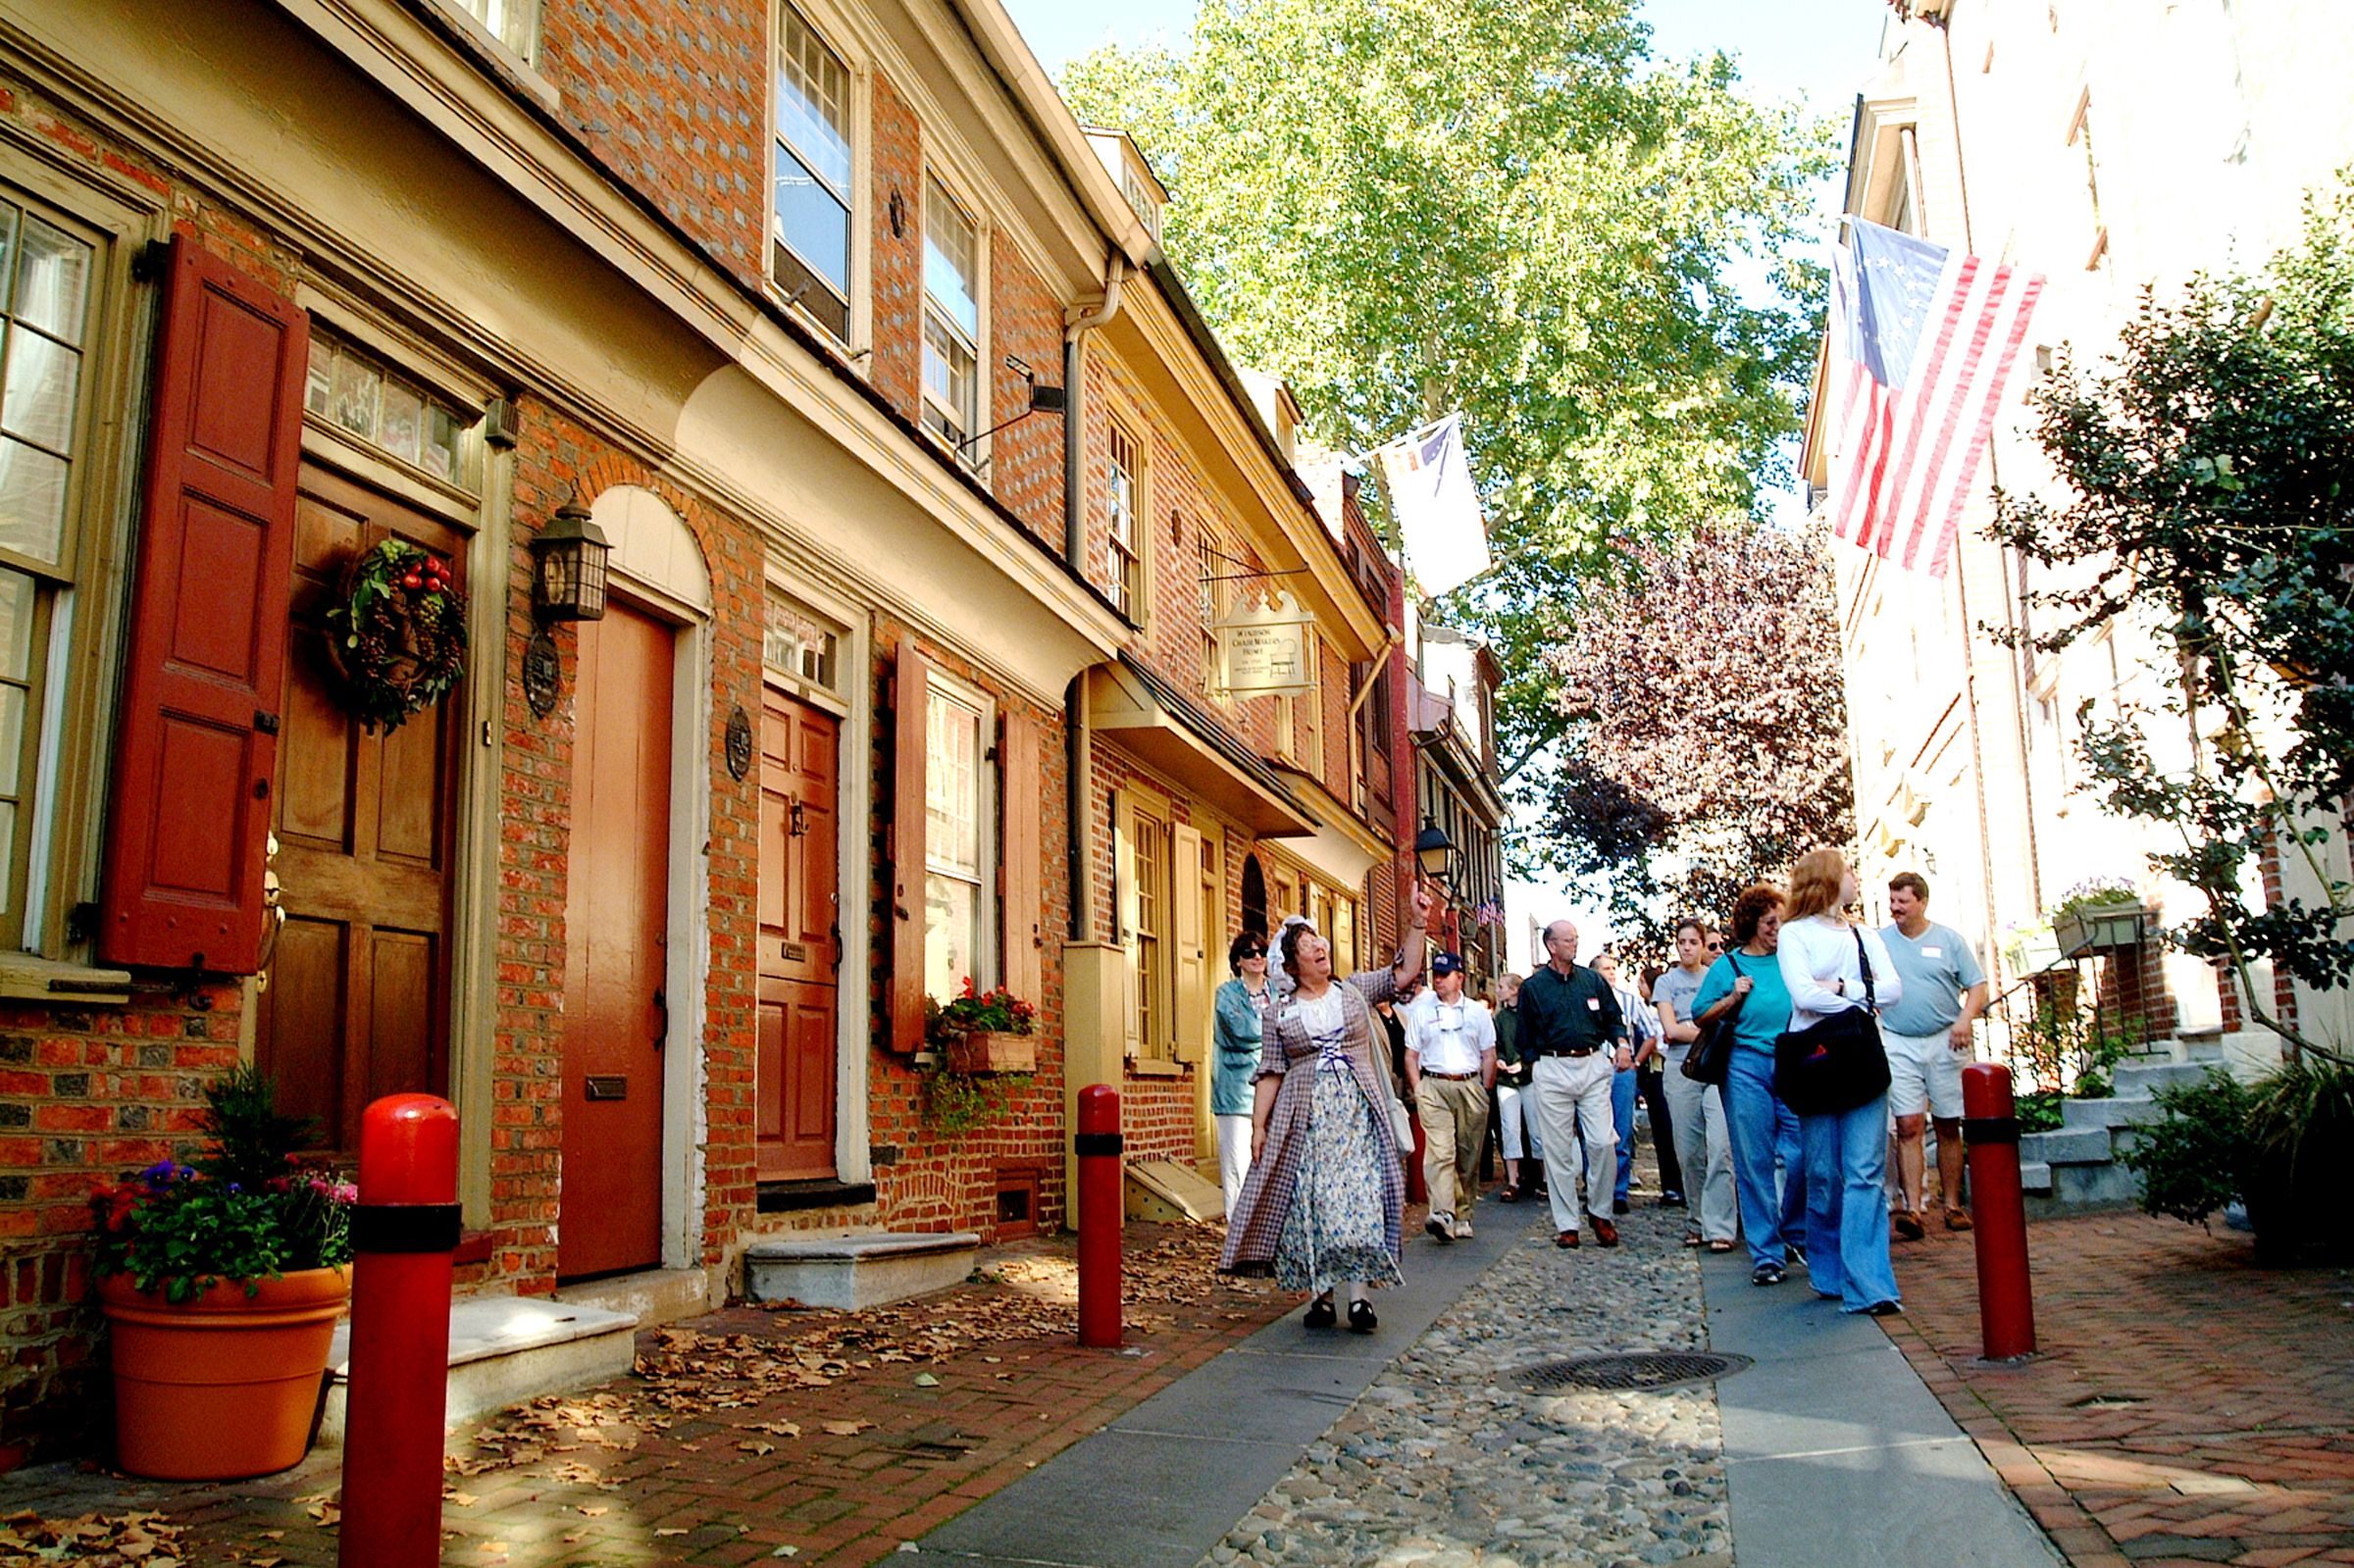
(1438,507)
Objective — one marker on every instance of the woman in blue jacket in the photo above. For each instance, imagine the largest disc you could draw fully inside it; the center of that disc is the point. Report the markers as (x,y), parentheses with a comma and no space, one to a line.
(1237,1046)
(1764,1131)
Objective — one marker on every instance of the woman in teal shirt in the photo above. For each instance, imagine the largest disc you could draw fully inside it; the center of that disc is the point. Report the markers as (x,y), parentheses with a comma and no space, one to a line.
(1239,1034)
(1763,1129)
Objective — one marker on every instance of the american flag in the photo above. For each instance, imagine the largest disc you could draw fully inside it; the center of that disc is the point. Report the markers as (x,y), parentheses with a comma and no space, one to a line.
(1923,341)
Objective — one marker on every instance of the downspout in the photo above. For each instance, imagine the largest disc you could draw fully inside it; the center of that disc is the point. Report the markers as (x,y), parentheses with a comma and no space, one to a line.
(1078,742)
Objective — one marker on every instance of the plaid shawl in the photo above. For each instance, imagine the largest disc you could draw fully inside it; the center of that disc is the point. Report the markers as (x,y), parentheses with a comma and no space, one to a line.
(1255,1227)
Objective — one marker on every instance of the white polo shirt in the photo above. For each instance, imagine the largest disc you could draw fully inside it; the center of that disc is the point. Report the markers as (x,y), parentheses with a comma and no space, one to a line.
(1448,1036)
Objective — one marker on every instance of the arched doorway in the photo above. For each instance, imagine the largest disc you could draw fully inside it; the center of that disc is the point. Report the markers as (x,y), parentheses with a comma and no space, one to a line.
(1254,896)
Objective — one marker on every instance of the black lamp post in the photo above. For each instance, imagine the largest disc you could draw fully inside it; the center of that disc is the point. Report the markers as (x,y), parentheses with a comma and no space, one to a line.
(568,567)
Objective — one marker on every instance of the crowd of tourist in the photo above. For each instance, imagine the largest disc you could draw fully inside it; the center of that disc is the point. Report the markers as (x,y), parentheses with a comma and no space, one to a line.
(1780,1059)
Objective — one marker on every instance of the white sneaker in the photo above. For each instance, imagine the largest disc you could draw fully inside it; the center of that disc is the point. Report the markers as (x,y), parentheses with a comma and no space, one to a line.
(1440,1225)
(1463,1230)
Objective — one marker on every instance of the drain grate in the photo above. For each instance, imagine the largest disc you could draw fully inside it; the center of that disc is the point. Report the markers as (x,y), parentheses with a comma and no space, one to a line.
(1666,1369)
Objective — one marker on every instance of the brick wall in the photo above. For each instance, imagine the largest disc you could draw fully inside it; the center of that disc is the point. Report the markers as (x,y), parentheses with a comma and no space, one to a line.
(672,94)
(896,278)
(1025,322)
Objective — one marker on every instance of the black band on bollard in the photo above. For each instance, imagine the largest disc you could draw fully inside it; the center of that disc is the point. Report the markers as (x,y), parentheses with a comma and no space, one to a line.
(1990,1128)
(404,1228)
(1096,1143)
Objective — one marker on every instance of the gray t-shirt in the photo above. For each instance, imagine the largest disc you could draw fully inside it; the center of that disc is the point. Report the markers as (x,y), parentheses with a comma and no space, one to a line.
(1677,987)
(1936,967)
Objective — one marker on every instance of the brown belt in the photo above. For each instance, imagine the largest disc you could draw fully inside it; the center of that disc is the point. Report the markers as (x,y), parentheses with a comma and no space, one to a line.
(1453,1078)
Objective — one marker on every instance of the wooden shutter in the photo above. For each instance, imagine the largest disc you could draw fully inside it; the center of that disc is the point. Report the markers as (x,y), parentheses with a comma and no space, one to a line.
(1021,880)
(1127,916)
(1189,946)
(910,746)
(206,653)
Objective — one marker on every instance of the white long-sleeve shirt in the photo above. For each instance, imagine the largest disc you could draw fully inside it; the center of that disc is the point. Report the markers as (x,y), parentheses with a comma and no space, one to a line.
(1819,949)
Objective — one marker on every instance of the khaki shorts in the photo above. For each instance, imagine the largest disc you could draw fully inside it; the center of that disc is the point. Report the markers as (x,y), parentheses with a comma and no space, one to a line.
(1924,1073)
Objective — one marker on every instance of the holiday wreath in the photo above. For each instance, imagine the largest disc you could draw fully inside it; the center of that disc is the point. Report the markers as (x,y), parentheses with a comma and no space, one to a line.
(398,637)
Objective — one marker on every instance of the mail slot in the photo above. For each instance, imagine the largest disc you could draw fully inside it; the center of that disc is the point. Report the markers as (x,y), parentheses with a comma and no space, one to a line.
(608,1086)
(796,952)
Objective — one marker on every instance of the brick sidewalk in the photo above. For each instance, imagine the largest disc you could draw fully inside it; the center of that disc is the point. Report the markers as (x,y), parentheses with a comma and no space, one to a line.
(2187,1407)
(757,1446)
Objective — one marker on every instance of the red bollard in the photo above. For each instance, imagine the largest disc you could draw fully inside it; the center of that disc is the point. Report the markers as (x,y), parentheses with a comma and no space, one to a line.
(403,1232)
(1998,1212)
(1101,1205)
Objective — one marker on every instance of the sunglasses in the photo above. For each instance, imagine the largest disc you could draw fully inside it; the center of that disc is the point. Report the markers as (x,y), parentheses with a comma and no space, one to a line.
(1254,952)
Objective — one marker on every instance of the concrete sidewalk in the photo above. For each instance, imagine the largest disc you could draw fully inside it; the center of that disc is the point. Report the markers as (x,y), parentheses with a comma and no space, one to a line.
(1836,1453)
(1162,1485)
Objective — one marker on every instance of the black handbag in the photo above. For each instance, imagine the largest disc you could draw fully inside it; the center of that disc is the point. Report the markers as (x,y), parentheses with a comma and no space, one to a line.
(1710,1058)
(1837,1062)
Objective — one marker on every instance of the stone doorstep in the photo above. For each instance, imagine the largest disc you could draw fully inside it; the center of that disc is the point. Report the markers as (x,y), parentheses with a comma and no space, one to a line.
(853,1271)
(653,1297)
(1163,1191)
(503,1350)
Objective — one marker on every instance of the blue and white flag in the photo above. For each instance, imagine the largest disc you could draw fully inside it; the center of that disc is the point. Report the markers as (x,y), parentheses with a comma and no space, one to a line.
(1429,481)
(1923,341)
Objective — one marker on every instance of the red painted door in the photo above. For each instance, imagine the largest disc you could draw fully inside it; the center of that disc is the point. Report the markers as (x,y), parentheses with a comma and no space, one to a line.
(617,925)
(799,939)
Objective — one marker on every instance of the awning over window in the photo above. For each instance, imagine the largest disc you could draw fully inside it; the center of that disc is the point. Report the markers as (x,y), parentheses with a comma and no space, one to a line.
(1150,718)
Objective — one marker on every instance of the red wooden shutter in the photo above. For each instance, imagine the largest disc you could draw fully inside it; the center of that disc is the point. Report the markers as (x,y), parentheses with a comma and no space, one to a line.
(1021,852)
(910,746)
(206,653)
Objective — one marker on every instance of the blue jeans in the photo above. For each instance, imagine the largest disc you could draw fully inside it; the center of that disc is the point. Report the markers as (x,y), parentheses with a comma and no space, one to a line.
(1622,1117)
(1847,1217)
(1764,1131)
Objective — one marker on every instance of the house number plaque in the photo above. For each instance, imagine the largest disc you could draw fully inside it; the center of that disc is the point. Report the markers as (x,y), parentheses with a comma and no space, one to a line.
(740,744)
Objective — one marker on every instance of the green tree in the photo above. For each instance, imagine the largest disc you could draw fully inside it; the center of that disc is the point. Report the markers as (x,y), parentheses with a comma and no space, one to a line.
(2207,472)
(1708,726)
(1408,207)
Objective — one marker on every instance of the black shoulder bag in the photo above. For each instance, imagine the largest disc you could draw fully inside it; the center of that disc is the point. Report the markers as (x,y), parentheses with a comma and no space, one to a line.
(1837,1062)
(1710,1058)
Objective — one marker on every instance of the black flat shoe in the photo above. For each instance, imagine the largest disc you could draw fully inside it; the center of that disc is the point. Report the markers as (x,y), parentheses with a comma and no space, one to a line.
(1320,1314)
(1885,1309)
(1361,1319)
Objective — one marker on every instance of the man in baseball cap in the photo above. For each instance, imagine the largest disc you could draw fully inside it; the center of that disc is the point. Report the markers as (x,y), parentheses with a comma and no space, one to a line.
(1450,1073)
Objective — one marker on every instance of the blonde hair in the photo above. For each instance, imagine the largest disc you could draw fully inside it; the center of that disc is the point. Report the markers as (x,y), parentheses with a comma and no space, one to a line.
(1814,883)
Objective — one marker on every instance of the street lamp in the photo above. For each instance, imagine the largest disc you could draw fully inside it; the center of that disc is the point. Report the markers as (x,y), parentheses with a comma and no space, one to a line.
(1434,850)
(568,567)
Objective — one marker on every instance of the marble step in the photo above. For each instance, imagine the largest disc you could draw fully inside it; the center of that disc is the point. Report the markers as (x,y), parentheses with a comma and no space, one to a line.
(503,1350)
(852,1271)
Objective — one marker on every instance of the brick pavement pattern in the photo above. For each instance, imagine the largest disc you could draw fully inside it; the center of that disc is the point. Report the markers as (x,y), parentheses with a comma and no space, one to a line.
(884,1449)
(2186,1407)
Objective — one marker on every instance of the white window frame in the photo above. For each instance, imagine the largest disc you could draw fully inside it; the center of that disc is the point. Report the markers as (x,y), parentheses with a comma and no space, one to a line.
(514,25)
(942,688)
(851,109)
(959,428)
(1127,550)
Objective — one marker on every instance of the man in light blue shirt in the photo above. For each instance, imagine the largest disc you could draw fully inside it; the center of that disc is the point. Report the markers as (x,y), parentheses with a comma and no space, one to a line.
(1927,1036)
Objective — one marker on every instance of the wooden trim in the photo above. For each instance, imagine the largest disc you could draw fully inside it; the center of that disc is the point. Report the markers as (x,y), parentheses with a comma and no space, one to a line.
(910,684)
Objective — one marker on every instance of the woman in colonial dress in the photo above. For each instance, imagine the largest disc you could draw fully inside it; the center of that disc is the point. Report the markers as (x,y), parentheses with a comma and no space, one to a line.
(1325,1201)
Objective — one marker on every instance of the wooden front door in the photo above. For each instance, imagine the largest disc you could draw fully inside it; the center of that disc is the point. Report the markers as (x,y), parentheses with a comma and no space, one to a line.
(617,930)
(800,940)
(358,1001)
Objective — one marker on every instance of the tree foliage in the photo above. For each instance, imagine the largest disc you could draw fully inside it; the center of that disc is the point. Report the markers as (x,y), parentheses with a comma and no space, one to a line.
(1406,207)
(1707,738)
(2209,473)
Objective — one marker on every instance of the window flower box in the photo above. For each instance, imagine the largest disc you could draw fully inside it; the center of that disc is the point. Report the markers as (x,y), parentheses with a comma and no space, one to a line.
(991,1051)
(2100,928)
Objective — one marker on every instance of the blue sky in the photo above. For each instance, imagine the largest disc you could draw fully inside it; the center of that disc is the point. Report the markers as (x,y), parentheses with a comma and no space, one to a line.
(1817,49)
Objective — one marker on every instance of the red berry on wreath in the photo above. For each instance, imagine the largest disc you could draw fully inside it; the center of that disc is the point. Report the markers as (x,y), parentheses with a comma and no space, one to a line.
(412,582)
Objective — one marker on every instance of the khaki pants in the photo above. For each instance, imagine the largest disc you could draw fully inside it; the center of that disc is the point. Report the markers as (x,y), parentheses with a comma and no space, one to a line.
(1573,1105)
(1454,1127)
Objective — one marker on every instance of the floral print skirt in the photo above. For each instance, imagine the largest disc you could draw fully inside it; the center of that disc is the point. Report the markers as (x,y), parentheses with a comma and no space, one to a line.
(1336,1230)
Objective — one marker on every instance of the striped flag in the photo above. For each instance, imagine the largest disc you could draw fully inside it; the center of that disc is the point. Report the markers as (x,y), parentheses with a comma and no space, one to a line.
(1922,344)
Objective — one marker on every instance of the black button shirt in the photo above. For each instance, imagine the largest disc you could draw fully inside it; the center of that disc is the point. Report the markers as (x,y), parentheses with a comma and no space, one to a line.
(1556,1020)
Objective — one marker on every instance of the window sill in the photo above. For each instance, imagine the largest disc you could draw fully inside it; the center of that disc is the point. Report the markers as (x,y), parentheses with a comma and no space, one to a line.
(27,978)
(1154,1067)
(494,49)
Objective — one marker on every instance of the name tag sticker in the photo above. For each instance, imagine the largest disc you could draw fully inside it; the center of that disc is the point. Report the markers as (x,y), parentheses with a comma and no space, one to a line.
(1593,1004)
(1933,952)
(1290,1015)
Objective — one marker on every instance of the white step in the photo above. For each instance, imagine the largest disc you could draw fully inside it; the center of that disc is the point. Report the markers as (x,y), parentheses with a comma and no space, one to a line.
(2034,1177)
(505,1349)
(859,1270)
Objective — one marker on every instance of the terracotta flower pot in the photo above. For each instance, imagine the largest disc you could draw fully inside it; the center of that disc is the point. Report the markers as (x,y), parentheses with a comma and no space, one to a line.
(223,1386)
(993,1051)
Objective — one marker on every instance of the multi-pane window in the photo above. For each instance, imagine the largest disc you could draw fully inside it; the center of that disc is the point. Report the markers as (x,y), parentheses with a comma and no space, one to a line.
(1215,569)
(951,318)
(513,22)
(953,906)
(1152,841)
(360,397)
(48,289)
(1127,525)
(810,244)
(1307,710)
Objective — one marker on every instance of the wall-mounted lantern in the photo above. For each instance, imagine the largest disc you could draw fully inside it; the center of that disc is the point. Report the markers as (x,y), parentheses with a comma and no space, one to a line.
(1434,850)
(568,567)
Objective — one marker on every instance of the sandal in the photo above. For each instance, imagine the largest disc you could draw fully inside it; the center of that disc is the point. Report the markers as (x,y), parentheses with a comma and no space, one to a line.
(1508,1194)
(1319,1313)
(1691,1239)
(1720,1246)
